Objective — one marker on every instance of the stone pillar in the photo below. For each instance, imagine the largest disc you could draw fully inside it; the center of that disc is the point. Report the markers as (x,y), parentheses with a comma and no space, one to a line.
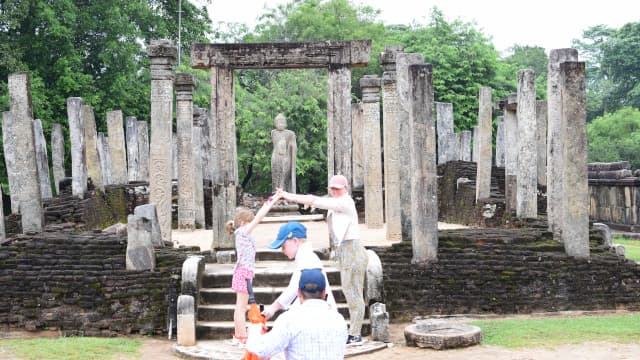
(148,212)
(105,158)
(133,153)
(143,151)
(94,165)
(162,54)
(9,145)
(474,153)
(117,151)
(198,190)
(205,141)
(28,188)
(391,133)
(339,122)
(140,254)
(424,183)
(483,177)
(357,139)
(174,156)
(554,142)
(370,86)
(184,115)
(465,145)
(511,152)
(541,139)
(575,199)
(403,61)
(186,326)
(224,175)
(57,155)
(500,148)
(527,198)
(78,158)
(42,160)
(446,136)
(3,235)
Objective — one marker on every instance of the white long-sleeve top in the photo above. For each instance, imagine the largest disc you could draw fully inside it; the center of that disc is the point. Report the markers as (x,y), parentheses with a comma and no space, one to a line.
(305,259)
(342,217)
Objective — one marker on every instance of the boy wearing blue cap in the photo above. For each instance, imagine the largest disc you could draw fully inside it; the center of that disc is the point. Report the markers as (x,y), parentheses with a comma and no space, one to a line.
(292,239)
(310,331)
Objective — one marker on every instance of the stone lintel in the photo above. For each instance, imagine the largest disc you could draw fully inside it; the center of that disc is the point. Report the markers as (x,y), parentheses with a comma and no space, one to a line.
(162,48)
(281,55)
(370,81)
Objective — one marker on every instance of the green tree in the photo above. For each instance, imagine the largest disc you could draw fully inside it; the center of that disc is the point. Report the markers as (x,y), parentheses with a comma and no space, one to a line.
(615,137)
(621,61)
(530,57)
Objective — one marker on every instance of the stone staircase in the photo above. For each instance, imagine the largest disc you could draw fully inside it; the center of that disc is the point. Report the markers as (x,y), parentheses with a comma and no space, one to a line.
(273,272)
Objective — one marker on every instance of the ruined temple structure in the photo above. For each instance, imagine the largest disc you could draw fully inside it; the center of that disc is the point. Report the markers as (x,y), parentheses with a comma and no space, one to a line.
(531,246)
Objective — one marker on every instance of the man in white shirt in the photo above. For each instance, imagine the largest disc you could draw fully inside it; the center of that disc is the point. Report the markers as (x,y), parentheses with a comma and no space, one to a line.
(311,331)
(292,239)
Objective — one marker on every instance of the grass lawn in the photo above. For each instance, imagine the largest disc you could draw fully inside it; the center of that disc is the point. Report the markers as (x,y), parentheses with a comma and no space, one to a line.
(548,332)
(631,247)
(71,348)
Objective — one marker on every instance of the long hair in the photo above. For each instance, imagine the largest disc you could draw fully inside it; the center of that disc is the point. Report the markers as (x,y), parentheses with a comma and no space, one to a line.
(243,214)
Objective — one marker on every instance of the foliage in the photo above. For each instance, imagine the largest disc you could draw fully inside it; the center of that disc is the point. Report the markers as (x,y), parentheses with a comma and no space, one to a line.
(631,248)
(71,348)
(530,57)
(621,61)
(615,137)
(549,332)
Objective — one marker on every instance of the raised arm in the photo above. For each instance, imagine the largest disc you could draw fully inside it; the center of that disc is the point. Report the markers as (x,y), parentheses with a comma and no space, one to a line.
(263,212)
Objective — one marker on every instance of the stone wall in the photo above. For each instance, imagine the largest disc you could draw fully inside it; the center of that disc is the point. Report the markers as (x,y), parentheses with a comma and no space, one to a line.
(506,271)
(77,283)
(615,202)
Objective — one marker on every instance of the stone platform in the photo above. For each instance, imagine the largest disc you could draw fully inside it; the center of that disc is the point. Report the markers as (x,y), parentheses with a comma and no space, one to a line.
(223,350)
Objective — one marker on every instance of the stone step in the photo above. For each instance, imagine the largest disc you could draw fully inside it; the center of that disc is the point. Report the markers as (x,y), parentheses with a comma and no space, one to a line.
(267,274)
(224,312)
(220,330)
(264,295)
(274,255)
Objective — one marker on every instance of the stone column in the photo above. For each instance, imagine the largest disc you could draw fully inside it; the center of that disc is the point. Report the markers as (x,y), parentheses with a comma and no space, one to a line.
(140,254)
(78,158)
(357,139)
(184,115)
(403,61)
(224,175)
(500,148)
(575,199)
(446,136)
(370,86)
(105,158)
(3,235)
(94,166)
(511,152)
(527,198)
(483,177)
(541,139)
(133,152)
(391,133)
(424,184)
(13,172)
(339,122)
(117,151)
(57,155)
(465,145)
(162,54)
(554,142)
(143,151)
(42,159)
(205,141)
(174,156)
(198,190)
(28,189)
(476,137)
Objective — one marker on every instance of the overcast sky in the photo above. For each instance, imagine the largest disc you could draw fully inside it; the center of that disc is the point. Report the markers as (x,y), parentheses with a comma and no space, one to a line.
(550,24)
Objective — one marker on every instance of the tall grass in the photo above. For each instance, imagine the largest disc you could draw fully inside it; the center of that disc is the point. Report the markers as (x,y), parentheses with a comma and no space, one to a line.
(549,332)
(71,348)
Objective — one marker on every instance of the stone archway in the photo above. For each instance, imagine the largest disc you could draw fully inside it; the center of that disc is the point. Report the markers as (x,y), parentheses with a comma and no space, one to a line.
(222,59)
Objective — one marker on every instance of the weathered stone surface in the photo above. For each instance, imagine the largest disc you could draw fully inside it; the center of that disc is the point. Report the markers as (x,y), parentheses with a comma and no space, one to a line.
(424,185)
(339,123)
(379,319)
(606,232)
(148,212)
(9,147)
(283,156)
(192,272)
(372,152)
(184,114)
(198,190)
(500,143)
(608,166)
(465,145)
(374,286)
(541,139)
(527,182)
(133,153)
(28,187)
(140,254)
(186,321)
(57,155)
(143,151)
(483,179)
(286,55)
(42,160)
(447,150)
(202,116)
(94,166)
(358,139)
(105,158)
(441,336)
(78,152)
(511,155)
(117,149)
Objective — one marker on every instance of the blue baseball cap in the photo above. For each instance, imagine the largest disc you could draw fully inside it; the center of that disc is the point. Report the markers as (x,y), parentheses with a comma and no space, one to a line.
(311,281)
(288,231)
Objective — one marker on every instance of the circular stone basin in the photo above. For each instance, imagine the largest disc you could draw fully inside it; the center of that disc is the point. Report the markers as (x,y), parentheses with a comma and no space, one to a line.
(441,336)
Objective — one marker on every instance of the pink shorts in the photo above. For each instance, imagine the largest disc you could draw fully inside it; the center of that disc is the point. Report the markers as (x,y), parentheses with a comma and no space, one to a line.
(238,282)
